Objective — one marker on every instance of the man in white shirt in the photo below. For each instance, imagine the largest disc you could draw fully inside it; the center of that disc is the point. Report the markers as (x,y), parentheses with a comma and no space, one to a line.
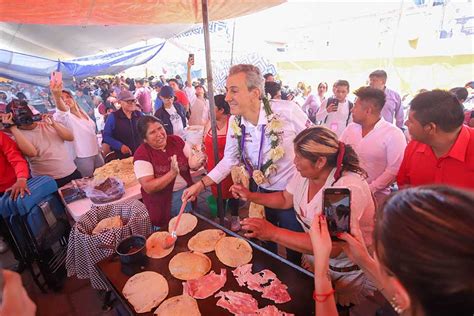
(335,112)
(379,144)
(249,142)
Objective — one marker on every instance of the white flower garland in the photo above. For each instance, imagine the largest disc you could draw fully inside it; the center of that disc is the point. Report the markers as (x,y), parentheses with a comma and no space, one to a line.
(272,130)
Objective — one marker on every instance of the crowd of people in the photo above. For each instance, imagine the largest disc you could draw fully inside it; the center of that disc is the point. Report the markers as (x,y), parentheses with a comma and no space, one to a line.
(409,244)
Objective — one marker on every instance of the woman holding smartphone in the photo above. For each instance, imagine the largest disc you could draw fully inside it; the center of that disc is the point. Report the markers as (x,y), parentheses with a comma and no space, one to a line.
(322,162)
(84,150)
(431,276)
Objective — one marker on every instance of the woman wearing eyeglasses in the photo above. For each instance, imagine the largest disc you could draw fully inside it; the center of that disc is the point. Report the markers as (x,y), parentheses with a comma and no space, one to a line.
(172,114)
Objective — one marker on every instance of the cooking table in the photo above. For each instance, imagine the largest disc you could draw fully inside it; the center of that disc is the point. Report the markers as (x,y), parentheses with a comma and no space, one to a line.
(299,281)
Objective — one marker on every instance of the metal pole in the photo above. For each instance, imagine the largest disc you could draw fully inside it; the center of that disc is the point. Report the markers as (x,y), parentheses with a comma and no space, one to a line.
(210,90)
(232,50)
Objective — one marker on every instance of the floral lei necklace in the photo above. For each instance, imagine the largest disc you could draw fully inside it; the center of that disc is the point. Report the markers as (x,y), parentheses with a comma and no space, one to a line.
(272,129)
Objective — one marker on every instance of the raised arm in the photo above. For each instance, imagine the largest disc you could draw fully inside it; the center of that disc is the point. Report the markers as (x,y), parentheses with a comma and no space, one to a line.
(188,74)
(62,131)
(56,91)
(24,144)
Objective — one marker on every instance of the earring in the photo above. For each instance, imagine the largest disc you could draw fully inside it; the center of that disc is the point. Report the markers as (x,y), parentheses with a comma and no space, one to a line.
(395,305)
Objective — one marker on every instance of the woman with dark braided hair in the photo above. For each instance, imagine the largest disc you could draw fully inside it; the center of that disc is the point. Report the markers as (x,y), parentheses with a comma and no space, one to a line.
(322,162)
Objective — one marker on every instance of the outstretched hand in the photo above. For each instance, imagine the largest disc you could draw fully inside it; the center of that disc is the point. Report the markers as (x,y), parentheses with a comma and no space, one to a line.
(240,192)
(258,228)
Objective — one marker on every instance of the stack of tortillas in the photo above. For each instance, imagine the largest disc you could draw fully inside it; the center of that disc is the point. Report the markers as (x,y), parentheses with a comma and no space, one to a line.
(145,290)
(181,305)
(187,223)
(240,176)
(206,240)
(189,265)
(233,252)
(256,210)
(154,245)
(106,224)
(122,169)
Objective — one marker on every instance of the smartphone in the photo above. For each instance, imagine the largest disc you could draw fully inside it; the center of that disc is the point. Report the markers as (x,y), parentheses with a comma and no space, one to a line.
(337,209)
(56,77)
(333,101)
(191,58)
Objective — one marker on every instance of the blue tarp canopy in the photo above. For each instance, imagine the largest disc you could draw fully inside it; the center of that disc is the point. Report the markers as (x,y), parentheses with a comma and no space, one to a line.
(36,70)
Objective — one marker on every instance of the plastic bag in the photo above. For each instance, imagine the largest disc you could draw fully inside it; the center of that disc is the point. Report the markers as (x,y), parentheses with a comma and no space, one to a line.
(105,191)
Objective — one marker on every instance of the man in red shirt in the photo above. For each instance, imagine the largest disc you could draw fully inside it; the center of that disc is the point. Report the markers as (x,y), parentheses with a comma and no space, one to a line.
(442,148)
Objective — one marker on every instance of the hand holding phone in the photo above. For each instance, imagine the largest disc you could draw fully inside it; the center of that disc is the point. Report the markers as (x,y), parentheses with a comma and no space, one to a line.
(56,78)
(337,209)
(332,104)
(191,59)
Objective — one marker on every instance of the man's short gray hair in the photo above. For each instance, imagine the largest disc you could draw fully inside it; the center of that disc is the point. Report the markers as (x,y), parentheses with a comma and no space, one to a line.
(253,76)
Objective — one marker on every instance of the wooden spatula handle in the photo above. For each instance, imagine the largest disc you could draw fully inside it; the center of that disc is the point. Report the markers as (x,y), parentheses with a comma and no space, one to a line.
(183,206)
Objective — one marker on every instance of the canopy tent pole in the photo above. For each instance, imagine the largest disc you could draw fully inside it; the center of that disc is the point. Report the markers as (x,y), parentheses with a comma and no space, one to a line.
(210,92)
(232,50)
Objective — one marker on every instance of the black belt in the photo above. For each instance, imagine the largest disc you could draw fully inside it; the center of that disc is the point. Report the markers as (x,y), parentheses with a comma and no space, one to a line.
(345,269)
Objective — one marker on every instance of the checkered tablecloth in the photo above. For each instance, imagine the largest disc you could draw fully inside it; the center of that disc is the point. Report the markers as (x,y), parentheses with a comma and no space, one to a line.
(83,251)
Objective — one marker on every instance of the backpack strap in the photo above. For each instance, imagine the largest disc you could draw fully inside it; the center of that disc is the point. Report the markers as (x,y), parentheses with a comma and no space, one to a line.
(351,105)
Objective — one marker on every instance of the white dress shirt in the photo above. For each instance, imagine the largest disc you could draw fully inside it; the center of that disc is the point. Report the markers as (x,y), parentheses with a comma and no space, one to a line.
(294,121)
(335,121)
(380,152)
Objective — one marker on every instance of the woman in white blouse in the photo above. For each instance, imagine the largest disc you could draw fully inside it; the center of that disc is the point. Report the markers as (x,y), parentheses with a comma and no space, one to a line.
(322,161)
(84,150)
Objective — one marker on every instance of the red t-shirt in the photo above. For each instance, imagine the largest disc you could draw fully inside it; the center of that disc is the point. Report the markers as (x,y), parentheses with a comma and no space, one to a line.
(420,166)
(12,163)
(182,98)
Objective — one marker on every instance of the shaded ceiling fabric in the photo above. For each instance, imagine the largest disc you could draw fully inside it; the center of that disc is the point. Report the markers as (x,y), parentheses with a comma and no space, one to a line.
(75,41)
(36,70)
(120,12)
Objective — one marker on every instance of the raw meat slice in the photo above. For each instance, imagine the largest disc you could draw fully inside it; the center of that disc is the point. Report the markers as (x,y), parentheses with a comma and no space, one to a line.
(206,285)
(276,292)
(242,273)
(264,281)
(237,302)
